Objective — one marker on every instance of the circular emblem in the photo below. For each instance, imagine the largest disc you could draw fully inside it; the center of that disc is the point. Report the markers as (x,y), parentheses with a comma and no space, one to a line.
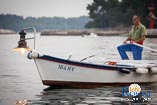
(134,89)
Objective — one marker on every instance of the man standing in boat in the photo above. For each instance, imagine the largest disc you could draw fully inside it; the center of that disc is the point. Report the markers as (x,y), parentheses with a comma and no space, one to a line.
(136,36)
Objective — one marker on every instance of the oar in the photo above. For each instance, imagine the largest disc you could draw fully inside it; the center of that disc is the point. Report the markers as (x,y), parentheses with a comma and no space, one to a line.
(148,48)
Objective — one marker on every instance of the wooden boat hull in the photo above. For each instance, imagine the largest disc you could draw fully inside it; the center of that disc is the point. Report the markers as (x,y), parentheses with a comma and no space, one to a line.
(65,73)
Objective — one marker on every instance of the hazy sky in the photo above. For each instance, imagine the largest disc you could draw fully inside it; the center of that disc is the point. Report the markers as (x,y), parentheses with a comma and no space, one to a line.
(38,8)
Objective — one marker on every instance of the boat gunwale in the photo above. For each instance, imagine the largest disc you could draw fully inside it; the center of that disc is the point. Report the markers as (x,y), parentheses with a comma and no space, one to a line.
(84,64)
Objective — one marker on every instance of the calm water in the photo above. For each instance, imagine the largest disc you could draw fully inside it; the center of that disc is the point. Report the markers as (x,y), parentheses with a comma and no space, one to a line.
(19,78)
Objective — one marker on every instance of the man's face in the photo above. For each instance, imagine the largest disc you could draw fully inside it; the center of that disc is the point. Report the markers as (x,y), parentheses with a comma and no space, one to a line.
(135,20)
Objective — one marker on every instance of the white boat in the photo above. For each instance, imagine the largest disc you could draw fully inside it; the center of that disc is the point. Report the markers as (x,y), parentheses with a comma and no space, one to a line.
(59,72)
(67,73)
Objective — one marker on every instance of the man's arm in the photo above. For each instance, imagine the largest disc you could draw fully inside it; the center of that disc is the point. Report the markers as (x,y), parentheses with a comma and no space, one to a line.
(129,36)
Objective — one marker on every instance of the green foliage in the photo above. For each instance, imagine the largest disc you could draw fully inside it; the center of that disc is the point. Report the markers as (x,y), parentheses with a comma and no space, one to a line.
(112,13)
(16,23)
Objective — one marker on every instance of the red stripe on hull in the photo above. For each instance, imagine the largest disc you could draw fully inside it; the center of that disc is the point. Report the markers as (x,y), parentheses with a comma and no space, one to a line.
(70,84)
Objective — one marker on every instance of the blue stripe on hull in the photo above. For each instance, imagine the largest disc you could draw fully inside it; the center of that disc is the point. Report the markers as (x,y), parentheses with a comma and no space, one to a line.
(86,65)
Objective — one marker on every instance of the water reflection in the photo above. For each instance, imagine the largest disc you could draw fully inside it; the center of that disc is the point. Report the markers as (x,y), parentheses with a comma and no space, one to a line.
(100,96)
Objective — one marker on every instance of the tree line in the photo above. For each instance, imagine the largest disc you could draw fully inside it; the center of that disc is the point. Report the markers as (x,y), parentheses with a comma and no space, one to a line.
(102,14)
(16,23)
(114,13)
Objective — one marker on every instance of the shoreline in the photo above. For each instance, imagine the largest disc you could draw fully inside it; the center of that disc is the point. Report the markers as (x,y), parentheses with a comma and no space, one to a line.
(83,32)
(151,33)
(6,31)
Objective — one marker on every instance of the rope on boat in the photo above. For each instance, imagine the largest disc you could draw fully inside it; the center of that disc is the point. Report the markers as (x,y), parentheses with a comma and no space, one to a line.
(87,57)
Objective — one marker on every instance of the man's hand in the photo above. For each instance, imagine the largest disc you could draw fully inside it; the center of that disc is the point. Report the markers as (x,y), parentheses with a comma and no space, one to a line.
(129,41)
(125,42)
(132,41)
